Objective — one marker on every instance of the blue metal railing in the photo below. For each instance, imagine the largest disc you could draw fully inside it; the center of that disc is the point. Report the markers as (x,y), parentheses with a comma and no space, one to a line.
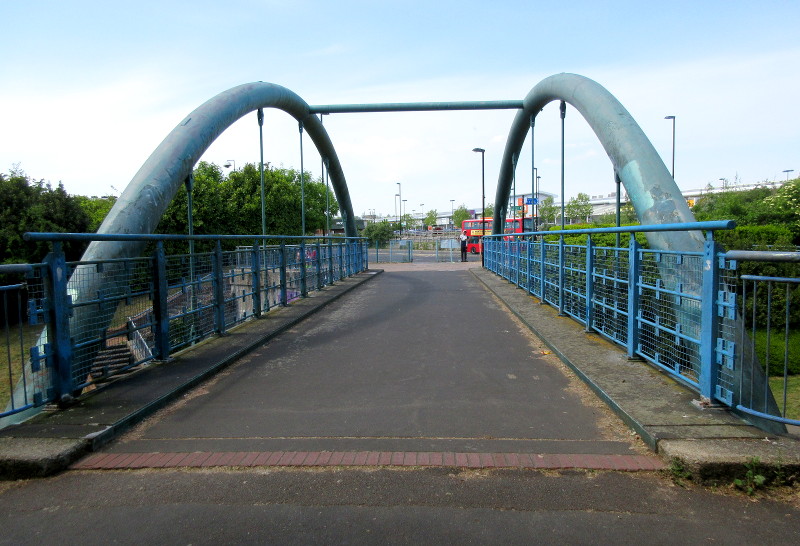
(685,312)
(70,325)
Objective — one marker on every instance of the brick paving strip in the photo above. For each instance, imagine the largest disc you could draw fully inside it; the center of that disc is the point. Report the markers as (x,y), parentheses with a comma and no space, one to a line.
(551,461)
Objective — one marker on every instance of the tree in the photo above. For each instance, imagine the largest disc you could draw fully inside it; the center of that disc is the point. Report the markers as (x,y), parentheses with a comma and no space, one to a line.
(27,205)
(579,208)
(488,210)
(378,232)
(233,204)
(96,209)
(547,210)
(459,215)
(431,217)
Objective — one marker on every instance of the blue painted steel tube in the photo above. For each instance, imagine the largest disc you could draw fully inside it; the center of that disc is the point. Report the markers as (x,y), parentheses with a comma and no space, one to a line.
(160,308)
(416,106)
(60,312)
(710,321)
(634,264)
(255,272)
(219,290)
(589,283)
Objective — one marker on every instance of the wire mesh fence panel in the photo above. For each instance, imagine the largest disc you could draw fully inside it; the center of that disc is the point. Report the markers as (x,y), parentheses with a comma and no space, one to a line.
(535,269)
(448,250)
(24,382)
(574,292)
(110,326)
(238,288)
(610,293)
(190,300)
(669,315)
(551,274)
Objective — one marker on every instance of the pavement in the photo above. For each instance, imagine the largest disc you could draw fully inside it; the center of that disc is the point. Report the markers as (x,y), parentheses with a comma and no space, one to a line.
(711,444)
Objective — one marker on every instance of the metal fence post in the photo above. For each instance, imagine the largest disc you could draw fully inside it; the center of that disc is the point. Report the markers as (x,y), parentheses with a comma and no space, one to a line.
(160,306)
(633,297)
(561,258)
(341,260)
(318,263)
(331,272)
(219,289)
(589,283)
(60,311)
(709,321)
(303,287)
(284,301)
(256,273)
(542,270)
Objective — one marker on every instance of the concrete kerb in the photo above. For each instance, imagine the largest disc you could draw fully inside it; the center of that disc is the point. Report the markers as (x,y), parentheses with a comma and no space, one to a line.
(710,445)
(37,455)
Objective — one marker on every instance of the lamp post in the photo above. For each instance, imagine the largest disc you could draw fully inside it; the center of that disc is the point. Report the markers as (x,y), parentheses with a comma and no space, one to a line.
(787,171)
(403,207)
(228,163)
(673,144)
(400,199)
(724,183)
(483,197)
(396,216)
(452,203)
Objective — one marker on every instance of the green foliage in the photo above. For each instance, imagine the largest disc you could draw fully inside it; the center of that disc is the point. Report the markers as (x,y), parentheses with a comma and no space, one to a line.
(488,210)
(548,210)
(28,205)
(96,209)
(232,205)
(431,217)
(459,215)
(378,232)
(578,208)
(757,207)
(678,471)
(600,239)
(753,478)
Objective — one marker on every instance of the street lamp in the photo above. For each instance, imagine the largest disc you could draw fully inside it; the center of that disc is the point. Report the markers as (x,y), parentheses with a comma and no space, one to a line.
(724,183)
(452,203)
(402,206)
(397,218)
(400,197)
(483,197)
(228,163)
(673,144)
(787,171)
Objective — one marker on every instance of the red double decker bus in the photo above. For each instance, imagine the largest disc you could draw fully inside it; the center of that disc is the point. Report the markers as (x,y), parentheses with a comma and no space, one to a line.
(474,229)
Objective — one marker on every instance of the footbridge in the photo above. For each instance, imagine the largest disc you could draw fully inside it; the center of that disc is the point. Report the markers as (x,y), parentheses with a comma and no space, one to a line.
(663,294)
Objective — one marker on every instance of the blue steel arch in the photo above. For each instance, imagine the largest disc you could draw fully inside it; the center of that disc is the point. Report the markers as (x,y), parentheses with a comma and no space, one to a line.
(652,190)
(146,197)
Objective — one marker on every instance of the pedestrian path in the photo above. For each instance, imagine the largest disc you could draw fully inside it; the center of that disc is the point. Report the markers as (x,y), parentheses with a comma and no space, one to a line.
(419,367)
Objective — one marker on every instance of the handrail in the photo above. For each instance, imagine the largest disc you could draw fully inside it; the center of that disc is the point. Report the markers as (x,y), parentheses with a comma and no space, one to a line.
(714,225)
(45,236)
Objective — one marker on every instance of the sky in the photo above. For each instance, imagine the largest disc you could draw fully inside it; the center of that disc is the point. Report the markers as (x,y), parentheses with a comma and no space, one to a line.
(90,88)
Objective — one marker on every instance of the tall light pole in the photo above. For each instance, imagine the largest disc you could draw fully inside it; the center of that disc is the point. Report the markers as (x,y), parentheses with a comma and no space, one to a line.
(403,207)
(422,211)
(787,171)
(452,203)
(400,198)
(396,216)
(228,163)
(673,144)
(483,197)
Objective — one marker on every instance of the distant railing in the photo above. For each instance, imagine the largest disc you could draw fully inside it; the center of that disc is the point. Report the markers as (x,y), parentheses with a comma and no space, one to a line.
(393,251)
(64,316)
(729,336)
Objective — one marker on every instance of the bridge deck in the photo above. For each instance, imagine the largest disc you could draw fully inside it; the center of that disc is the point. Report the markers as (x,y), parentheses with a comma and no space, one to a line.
(420,366)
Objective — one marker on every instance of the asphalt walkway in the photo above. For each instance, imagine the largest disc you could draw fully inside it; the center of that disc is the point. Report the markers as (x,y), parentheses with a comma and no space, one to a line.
(422,366)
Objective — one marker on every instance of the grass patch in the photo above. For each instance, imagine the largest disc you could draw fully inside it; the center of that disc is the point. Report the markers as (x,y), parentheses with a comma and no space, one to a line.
(778,348)
(792,394)
(12,357)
